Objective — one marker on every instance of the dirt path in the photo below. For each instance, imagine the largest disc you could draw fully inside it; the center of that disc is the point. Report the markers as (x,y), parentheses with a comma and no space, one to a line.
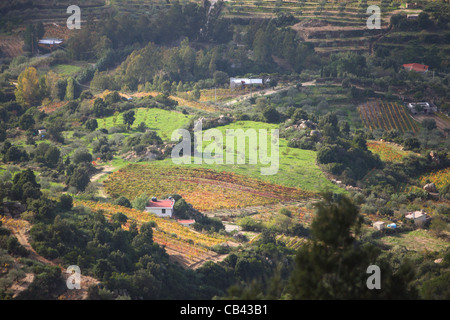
(265,92)
(76,294)
(255,94)
(105,170)
(22,284)
(441,124)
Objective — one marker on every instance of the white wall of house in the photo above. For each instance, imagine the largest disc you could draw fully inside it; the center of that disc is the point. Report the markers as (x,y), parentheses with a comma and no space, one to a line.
(418,217)
(160,212)
(379,225)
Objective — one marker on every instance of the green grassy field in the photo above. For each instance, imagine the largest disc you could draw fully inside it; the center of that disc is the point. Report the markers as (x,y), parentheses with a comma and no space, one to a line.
(297,168)
(417,240)
(65,69)
(161,121)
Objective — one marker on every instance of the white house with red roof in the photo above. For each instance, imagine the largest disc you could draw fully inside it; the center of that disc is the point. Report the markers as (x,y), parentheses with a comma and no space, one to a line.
(162,208)
(187,222)
(417,67)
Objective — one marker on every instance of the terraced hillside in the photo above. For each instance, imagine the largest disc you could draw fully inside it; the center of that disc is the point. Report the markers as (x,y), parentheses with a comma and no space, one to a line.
(185,246)
(51,11)
(333,26)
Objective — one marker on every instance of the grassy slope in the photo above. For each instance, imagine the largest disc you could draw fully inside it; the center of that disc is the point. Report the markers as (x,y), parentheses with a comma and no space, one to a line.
(65,70)
(162,121)
(417,240)
(297,167)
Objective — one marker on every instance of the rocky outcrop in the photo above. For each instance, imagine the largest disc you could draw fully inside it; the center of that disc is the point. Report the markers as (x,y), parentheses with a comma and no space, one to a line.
(430,187)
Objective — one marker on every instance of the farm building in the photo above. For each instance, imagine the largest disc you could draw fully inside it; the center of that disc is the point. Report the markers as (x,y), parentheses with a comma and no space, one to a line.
(411,5)
(419,217)
(186,223)
(242,82)
(42,133)
(417,67)
(162,208)
(50,43)
(412,16)
(379,225)
(421,107)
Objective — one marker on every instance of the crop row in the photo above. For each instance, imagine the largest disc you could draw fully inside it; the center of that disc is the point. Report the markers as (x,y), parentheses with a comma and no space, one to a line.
(205,189)
(386,116)
(291,242)
(385,151)
(440,178)
(173,231)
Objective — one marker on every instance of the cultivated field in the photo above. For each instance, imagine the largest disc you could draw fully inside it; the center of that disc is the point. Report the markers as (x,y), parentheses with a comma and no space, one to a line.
(205,189)
(11,46)
(389,152)
(386,115)
(440,178)
(163,122)
(184,245)
(442,121)
(417,240)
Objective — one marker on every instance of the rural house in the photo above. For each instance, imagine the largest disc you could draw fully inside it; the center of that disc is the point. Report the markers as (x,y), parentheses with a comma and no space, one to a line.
(421,107)
(242,82)
(417,67)
(50,43)
(379,225)
(186,223)
(162,208)
(41,133)
(412,16)
(419,217)
(411,5)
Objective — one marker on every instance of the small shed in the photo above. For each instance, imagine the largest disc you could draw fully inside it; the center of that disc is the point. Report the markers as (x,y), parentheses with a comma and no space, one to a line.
(50,43)
(412,16)
(379,225)
(186,223)
(42,133)
(417,67)
(419,217)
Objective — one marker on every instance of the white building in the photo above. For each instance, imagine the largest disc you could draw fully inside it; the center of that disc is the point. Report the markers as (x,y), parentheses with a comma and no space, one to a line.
(419,217)
(241,82)
(421,107)
(379,225)
(51,41)
(162,208)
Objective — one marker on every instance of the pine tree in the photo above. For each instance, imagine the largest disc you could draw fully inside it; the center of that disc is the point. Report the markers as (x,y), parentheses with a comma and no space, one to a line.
(334,264)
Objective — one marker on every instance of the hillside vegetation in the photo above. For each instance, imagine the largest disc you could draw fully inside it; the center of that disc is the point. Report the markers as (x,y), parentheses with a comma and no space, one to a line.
(88,136)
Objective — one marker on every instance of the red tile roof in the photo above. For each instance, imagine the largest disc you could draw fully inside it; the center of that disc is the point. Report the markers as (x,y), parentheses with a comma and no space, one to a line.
(416,67)
(161,203)
(186,221)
